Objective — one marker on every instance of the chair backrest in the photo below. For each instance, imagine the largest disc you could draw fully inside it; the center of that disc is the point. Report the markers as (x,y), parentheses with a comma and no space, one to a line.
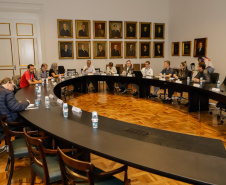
(120,68)
(68,175)
(214,77)
(36,154)
(97,70)
(136,67)
(190,74)
(142,65)
(47,72)
(61,70)
(192,65)
(16,81)
(224,82)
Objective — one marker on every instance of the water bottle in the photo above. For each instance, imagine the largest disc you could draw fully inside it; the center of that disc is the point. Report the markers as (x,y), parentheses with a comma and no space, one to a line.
(47,102)
(188,80)
(39,95)
(36,89)
(94,119)
(164,75)
(60,77)
(65,110)
(201,81)
(65,75)
(47,81)
(37,102)
(39,87)
(160,75)
(43,82)
(53,80)
(218,84)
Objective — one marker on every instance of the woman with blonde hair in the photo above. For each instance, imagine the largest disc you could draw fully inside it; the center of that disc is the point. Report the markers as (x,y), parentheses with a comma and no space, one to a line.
(53,70)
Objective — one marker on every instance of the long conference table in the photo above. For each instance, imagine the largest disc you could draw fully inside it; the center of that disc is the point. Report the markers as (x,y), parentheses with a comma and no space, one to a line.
(187,158)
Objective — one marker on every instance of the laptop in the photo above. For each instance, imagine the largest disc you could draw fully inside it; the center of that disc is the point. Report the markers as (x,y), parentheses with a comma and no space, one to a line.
(138,74)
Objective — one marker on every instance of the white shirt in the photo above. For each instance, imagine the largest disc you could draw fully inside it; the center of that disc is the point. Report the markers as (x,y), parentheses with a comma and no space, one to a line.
(208,63)
(147,71)
(111,70)
(90,69)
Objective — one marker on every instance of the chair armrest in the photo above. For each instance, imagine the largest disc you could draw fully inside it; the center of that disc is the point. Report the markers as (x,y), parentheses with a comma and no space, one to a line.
(51,151)
(110,173)
(16,123)
(14,133)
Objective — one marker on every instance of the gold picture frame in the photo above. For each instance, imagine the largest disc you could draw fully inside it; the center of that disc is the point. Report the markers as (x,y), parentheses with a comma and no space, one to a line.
(175,48)
(65,28)
(186,48)
(9,30)
(130,49)
(144,49)
(11,53)
(83,30)
(66,49)
(130,30)
(159,30)
(81,49)
(17,32)
(116,49)
(200,47)
(115,29)
(145,30)
(99,29)
(158,49)
(100,49)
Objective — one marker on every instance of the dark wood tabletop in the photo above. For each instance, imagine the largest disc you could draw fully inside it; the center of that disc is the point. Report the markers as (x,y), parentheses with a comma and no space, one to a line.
(187,158)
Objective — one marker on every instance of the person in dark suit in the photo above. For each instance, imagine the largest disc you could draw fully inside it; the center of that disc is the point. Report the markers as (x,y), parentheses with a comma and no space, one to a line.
(200,51)
(145,51)
(159,32)
(131,51)
(100,52)
(65,31)
(145,32)
(115,52)
(65,52)
(99,32)
(115,32)
(158,50)
(82,32)
(82,52)
(131,32)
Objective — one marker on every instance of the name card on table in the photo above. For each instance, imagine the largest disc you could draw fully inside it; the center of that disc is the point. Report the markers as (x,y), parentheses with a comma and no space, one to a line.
(90,73)
(129,75)
(171,78)
(80,74)
(54,83)
(76,109)
(116,74)
(60,101)
(178,81)
(149,77)
(103,74)
(196,85)
(216,89)
(51,96)
(162,79)
(72,76)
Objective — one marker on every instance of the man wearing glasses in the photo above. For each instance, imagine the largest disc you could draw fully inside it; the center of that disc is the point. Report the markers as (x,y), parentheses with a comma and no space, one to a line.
(9,105)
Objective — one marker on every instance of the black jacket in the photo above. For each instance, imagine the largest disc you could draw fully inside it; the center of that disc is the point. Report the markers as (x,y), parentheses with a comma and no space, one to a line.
(9,105)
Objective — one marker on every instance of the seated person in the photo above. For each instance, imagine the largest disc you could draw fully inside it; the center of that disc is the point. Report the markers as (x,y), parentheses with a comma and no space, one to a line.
(146,71)
(112,70)
(126,70)
(88,68)
(41,73)
(182,75)
(9,105)
(208,62)
(28,77)
(203,73)
(168,71)
(53,71)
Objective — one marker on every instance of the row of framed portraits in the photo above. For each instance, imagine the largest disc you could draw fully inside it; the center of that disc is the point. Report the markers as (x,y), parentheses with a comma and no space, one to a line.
(100,49)
(200,48)
(83,29)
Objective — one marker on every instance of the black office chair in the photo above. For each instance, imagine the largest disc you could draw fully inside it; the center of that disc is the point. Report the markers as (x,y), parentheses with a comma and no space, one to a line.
(214,77)
(61,70)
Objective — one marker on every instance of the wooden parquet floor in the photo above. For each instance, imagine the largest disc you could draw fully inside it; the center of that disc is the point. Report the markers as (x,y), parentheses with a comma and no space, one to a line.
(146,112)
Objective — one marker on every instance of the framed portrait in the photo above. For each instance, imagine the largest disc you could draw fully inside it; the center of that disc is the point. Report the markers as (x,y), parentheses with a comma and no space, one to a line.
(100,49)
(115,29)
(66,49)
(82,29)
(200,47)
(145,30)
(116,50)
(186,48)
(130,49)
(99,29)
(159,30)
(175,48)
(65,28)
(83,50)
(145,49)
(158,49)
(130,30)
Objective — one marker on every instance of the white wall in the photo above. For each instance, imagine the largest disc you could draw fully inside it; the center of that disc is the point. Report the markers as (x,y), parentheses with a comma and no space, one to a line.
(103,10)
(198,19)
